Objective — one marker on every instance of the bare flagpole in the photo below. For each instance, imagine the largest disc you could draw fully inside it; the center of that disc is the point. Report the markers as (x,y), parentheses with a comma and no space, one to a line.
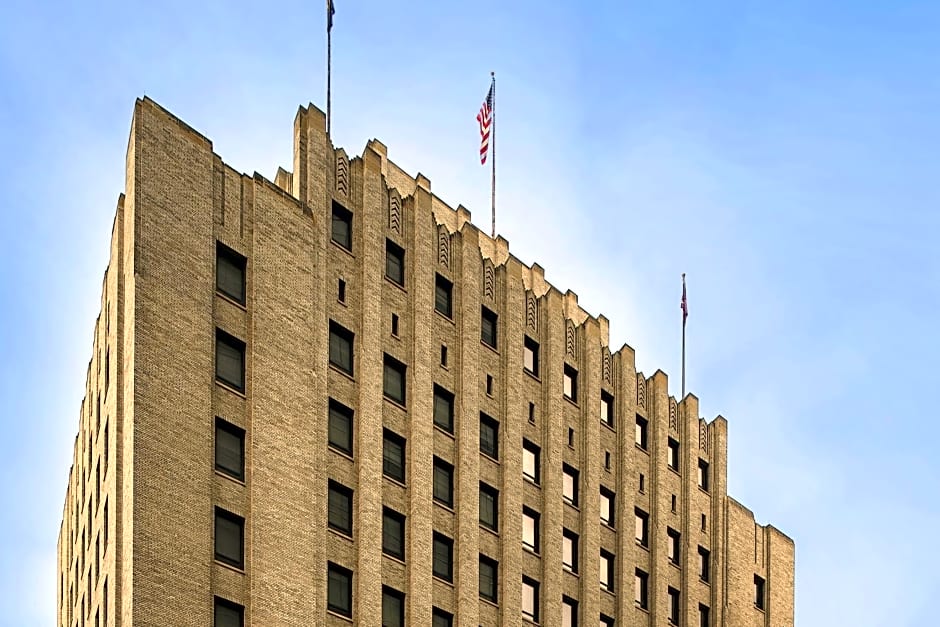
(330,10)
(493,152)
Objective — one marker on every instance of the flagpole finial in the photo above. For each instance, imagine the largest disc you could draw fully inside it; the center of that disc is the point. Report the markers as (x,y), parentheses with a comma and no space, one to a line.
(493,74)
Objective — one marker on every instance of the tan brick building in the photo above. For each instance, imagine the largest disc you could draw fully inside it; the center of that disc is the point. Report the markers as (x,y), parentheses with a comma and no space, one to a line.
(330,397)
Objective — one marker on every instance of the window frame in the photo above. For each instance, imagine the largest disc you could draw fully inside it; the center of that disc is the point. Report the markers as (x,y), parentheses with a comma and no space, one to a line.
(673,546)
(760,593)
(239,522)
(569,609)
(444,296)
(389,363)
(493,566)
(399,519)
(390,437)
(569,536)
(440,540)
(437,614)
(337,411)
(489,321)
(570,383)
(443,466)
(237,262)
(335,492)
(674,607)
(611,497)
(607,558)
(534,586)
(230,342)
(535,517)
(443,399)
(641,435)
(572,473)
(703,478)
(641,589)
(232,430)
(607,409)
(334,569)
(344,339)
(393,595)
(643,526)
(530,346)
(673,459)
(220,603)
(492,496)
(489,424)
(395,252)
(340,214)
(531,447)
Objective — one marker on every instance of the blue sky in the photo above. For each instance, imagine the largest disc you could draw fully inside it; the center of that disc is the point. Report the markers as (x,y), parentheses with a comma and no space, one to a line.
(784,155)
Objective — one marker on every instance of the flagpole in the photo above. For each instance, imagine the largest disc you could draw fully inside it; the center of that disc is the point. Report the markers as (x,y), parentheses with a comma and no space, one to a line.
(329,58)
(685,314)
(493,155)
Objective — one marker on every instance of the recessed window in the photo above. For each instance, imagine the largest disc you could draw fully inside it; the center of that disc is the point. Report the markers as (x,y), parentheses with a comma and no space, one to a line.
(393,607)
(342,226)
(642,527)
(641,432)
(394,263)
(443,355)
(704,558)
(489,436)
(395,325)
(642,482)
(489,578)
(673,545)
(489,507)
(488,327)
(339,516)
(569,550)
(530,599)
(393,380)
(570,437)
(341,291)
(230,272)
(530,356)
(703,474)
(704,523)
(569,485)
(531,413)
(607,408)
(758,592)
(530,529)
(227,614)
(530,461)
(703,616)
(673,605)
(229,538)
(393,456)
(641,589)
(340,427)
(443,482)
(606,621)
(569,612)
(339,590)
(440,618)
(607,461)
(341,347)
(673,503)
(672,454)
(229,449)
(229,360)
(443,296)
(393,533)
(607,571)
(443,409)
(571,383)
(443,558)
(607,507)
(489,385)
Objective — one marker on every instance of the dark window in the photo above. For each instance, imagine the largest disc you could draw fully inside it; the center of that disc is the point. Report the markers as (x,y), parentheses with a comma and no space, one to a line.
(758,592)
(608,509)
(530,599)
(489,578)
(230,272)
(440,618)
(443,557)
(489,385)
(341,347)
(395,262)
(642,483)
(393,381)
(569,484)
(342,226)
(607,460)
(393,607)
(341,427)
(703,618)
(530,529)
(530,355)
(704,557)
(339,589)
(443,409)
(607,570)
(227,614)
(570,437)
(530,461)
(229,360)
(642,527)
(393,456)
(489,436)
(641,432)
(488,327)
(569,550)
(341,291)
(229,449)
(672,454)
(393,533)
(673,606)
(489,506)
(531,413)
(443,296)
(606,621)
(703,474)
(641,589)
(395,325)
(673,545)
(569,612)
(673,503)
(340,514)
(444,355)
(443,482)
(607,409)
(704,523)
(229,538)
(571,383)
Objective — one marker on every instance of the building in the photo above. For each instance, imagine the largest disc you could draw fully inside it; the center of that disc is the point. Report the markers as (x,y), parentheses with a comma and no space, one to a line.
(331,399)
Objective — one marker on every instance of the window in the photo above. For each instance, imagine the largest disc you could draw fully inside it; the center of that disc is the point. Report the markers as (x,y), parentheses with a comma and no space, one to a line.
(443,482)
(606,621)
(530,599)
(571,383)
(339,590)
(642,528)
(607,409)
(394,262)
(443,409)
(230,272)
(393,456)
(673,606)
(489,436)
(341,291)
(339,515)
(607,507)
(530,529)
(342,226)
(704,523)
(703,474)
(393,607)
(703,619)
(758,592)
(607,571)
(341,347)
(489,507)
(229,449)
(227,614)
(672,455)
(642,486)
(569,490)
(393,533)
(489,385)
(443,296)
(488,327)
(672,545)
(444,355)
(341,427)
(489,578)
(569,612)
(440,618)
(641,429)
(443,557)
(395,325)
(229,538)
(607,461)
(393,381)
(530,461)
(703,563)
(641,589)
(229,360)
(569,550)
(531,413)
(570,437)
(673,503)
(530,356)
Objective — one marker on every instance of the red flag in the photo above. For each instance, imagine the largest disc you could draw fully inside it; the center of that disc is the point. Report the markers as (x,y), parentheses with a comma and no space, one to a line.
(685,303)
(484,117)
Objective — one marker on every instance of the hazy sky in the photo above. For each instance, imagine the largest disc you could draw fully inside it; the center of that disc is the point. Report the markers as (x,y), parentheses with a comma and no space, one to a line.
(783,154)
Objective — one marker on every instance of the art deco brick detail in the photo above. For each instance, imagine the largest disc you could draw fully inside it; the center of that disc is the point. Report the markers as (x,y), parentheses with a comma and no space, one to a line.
(443,246)
(640,390)
(531,311)
(571,341)
(703,435)
(673,415)
(394,211)
(489,280)
(342,173)
(605,364)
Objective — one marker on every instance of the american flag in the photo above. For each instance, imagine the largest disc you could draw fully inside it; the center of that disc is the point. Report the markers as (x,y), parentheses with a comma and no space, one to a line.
(485,118)
(685,303)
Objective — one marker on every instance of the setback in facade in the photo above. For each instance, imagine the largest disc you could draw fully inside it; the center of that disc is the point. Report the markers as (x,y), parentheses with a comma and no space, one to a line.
(331,400)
